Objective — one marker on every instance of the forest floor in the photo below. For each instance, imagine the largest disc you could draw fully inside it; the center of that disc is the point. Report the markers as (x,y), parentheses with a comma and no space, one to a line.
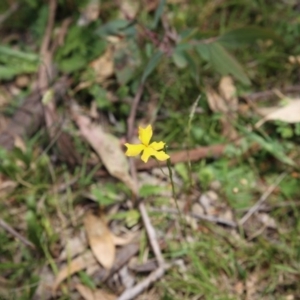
(218,81)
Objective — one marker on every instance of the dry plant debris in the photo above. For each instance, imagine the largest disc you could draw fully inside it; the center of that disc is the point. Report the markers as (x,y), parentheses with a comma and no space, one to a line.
(100,240)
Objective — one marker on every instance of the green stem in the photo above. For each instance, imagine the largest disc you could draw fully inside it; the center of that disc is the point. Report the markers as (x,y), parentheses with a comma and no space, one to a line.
(182,221)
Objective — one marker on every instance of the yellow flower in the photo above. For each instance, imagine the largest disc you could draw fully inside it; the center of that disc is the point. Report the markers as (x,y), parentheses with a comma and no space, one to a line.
(148,149)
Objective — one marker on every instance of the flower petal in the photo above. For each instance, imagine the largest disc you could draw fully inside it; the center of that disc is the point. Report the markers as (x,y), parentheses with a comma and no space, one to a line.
(133,150)
(147,153)
(161,155)
(145,135)
(157,145)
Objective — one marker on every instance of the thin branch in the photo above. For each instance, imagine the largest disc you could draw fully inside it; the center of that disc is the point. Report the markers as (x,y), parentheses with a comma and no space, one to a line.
(132,115)
(144,284)
(197,216)
(14,233)
(271,93)
(262,199)
(151,234)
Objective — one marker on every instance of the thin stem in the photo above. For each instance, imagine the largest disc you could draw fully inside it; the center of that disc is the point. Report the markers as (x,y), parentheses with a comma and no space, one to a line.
(174,194)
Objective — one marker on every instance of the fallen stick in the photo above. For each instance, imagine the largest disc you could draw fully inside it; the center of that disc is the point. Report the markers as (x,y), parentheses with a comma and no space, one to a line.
(14,233)
(142,285)
(185,156)
(262,199)
(198,216)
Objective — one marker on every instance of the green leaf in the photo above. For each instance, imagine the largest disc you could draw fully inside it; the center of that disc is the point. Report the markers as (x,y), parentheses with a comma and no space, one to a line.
(247,35)
(179,59)
(222,61)
(153,62)
(158,13)
(117,27)
(32,57)
(72,64)
(150,190)
(86,280)
(7,72)
(126,61)
(34,229)
(274,148)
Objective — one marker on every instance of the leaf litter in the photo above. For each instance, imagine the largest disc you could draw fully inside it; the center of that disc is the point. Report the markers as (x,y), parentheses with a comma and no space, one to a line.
(100,240)
(108,148)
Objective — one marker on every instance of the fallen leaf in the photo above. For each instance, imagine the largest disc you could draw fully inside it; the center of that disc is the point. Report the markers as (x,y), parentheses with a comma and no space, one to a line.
(129,9)
(19,143)
(79,263)
(6,187)
(267,220)
(108,148)
(124,240)
(289,113)
(226,102)
(44,289)
(104,65)
(215,101)
(89,294)
(74,246)
(251,286)
(90,13)
(126,277)
(228,93)
(100,240)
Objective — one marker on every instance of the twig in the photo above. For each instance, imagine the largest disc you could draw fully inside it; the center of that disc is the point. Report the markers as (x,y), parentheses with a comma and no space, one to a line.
(262,199)
(267,208)
(141,286)
(14,233)
(267,94)
(151,234)
(185,155)
(197,216)
(131,118)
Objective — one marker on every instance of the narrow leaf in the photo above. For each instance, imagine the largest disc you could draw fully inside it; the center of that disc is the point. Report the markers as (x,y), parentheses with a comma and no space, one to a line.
(153,62)
(158,13)
(222,61)
(248,35)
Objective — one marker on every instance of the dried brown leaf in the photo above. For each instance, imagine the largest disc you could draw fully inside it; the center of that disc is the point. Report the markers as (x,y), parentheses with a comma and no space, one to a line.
(74,246)
(129,9)
(108,148)
(6,187)
(44,289)
(104,65)
(228,93)
(215,101)
(19,143)
(89,13)
(89,294)
(124,240)
(289,113)
(100,240)
(79,263)
(226,102)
